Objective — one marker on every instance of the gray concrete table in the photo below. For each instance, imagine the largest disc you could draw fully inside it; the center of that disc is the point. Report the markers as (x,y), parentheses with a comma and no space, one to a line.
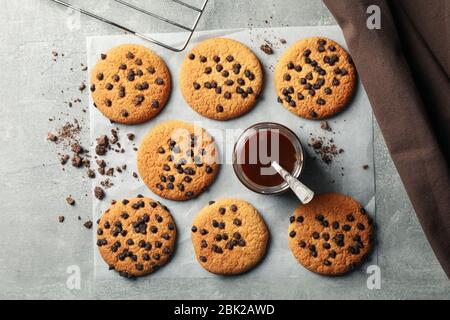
(37,250)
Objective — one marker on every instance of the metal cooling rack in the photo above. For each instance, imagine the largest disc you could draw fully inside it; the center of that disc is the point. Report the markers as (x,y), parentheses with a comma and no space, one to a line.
(190,29)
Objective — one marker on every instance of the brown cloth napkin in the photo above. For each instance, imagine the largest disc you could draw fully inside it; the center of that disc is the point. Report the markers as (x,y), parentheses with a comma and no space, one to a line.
(404,67)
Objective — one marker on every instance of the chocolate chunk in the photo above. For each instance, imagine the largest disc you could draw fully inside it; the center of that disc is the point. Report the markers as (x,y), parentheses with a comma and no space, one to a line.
(77,161)
(266,48)
(99,193)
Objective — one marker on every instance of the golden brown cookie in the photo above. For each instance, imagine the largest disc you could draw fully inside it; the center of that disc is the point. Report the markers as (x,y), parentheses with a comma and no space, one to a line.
(130,84)
(229,237)
(178,160)
(315,78)
(136,236)
(221,78)
(331,234)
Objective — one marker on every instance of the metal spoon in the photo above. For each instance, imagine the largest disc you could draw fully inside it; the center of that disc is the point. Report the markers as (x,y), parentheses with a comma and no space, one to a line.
(303,193)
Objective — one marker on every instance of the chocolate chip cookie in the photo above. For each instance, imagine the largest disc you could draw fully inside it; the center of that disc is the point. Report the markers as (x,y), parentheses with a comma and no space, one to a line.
(130,84)
(315,78)
(229,237)
(136,236)
(178,160)
(331,234)
(221,78)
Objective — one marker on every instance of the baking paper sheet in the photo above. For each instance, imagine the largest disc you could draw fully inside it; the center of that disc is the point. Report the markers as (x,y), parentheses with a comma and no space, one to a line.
(353,131)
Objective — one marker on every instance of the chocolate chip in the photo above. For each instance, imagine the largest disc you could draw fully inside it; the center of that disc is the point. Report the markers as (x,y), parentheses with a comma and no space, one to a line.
(306,53)
(300,219)
(326,236)
(292,234)
(332,254)
(194,229)
(313,114)
(315,235)
(155,104)
(335,82)
(225,74)
(360,226)
(320,101)
(151,70)
(93,88)
(335,225)
(203,59)
(287,77)
(191,56)
(237,222)
(202,259)
(108,102)
(332,48)
(291,219)
(100,76)
(312,92)
(218,237)
(159,81)
(187,179)
(208,70)
(227,95)
(216,59)
(346,227)
(326,263)
(229,82)
(139,62)
(125,113)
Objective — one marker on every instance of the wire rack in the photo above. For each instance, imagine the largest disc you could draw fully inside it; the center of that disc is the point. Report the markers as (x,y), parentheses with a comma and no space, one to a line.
(190,29)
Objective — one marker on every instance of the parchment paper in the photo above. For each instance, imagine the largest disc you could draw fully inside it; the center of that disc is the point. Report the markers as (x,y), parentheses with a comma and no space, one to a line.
(353,132)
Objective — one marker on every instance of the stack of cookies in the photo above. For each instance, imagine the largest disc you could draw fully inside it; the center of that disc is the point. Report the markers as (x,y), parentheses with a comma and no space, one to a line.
(221,79)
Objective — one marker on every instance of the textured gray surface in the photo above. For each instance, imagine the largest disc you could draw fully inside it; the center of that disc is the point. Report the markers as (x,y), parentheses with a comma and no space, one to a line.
(36,249)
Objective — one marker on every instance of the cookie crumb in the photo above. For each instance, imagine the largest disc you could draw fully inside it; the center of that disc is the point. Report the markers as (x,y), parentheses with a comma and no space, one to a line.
(283,41)
(61,219)
(324,125)
(52,137)
(131,136)
(70,200)
(366,167)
